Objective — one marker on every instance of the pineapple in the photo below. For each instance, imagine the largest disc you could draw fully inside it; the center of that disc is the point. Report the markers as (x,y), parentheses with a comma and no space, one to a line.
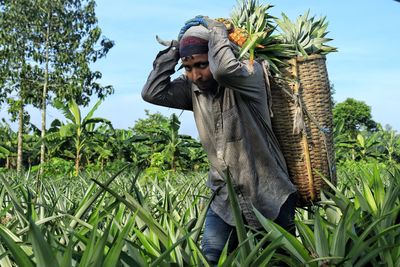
(251,21)
(236,35)
(239,36)
(228,24)
(306,36)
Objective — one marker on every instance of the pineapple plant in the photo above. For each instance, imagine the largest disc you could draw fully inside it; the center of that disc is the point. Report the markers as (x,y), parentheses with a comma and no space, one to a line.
(251,21)
(306,36)
(251,27)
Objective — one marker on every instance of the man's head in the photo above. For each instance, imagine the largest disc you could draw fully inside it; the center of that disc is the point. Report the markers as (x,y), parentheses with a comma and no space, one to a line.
(193,49)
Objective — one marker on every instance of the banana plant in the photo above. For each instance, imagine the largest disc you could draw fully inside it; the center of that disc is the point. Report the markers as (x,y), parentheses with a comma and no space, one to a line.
(7,143)
(102,148)
(391,145)
(79,128)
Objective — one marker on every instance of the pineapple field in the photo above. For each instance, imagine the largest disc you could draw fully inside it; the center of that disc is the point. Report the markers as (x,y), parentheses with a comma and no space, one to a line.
(83,193)
(125,218)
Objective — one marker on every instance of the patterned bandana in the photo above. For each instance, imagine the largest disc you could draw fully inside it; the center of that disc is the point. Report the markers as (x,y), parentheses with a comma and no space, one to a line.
(194,41)
(192,45)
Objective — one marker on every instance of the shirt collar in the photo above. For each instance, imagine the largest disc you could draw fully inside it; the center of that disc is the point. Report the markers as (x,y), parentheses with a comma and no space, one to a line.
(198,90)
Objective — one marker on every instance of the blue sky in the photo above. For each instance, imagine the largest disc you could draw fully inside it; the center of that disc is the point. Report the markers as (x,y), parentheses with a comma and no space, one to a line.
(366,67)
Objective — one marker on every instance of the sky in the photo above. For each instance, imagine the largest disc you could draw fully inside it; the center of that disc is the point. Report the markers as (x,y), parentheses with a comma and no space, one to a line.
(366,66)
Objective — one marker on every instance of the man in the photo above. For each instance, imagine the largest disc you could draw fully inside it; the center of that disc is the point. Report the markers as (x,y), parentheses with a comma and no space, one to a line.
(230,106)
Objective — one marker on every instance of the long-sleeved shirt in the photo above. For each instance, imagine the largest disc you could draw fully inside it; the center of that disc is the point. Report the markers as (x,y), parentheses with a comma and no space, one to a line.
(234,128)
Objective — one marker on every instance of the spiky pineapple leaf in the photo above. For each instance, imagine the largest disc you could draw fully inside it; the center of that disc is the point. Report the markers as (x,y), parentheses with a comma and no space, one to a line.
(307,35)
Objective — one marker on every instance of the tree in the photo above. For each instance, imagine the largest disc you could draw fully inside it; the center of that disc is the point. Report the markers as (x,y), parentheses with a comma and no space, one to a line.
(17,87)
(68,33)
(355,116)
(60,37)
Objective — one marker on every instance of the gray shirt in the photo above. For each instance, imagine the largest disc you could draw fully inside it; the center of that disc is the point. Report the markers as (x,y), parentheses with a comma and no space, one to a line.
(234,128)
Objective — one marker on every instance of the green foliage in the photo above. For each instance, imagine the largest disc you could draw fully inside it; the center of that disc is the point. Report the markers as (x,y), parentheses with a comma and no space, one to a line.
(358,138)
(390,145)
(113,220)
(8,144)
(355,116)
(55,47)
(80,129)
(15,70)
(46,51)
(159,225)
(381,145)
(57,166)
(164,149)
(154,143)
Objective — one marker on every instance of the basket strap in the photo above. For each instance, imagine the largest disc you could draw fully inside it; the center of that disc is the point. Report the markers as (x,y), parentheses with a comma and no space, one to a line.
(265,67)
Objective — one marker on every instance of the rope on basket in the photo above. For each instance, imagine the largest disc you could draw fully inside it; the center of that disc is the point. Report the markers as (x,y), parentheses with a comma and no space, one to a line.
(299,125)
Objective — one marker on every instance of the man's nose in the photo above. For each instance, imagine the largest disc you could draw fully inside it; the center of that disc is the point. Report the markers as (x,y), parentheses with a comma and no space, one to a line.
(196,74)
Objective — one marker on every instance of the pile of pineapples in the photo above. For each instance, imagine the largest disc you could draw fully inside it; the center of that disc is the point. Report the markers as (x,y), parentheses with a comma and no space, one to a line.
(260,35)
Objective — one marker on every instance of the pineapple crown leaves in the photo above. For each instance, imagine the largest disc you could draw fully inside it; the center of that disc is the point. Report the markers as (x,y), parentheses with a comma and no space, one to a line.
(254,19)
(258,27)
(251,42)
(306,35)
(251,16)
(242,11)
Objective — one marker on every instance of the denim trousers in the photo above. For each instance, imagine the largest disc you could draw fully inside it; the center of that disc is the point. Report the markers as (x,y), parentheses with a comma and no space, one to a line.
(217,232)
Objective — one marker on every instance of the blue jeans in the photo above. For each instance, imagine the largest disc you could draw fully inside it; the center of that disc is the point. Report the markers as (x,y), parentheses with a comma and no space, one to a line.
(216,234)
(217,231)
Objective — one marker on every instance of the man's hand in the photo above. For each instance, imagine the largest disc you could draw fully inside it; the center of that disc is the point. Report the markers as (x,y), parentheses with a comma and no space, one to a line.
(199,20)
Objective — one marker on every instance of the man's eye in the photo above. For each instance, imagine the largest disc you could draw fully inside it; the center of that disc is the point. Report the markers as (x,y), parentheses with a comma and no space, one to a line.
(187,68)
(203,65)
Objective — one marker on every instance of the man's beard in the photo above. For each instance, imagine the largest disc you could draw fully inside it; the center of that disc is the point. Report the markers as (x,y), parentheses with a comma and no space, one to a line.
(209,85)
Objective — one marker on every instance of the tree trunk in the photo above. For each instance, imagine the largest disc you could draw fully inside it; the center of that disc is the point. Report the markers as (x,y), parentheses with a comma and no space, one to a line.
(20,140)
(77,153)
(77,159)
(44,97)
(43,133)
(173,163)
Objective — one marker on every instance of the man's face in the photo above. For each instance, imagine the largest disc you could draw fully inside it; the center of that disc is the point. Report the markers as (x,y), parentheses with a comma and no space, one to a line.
(198,71)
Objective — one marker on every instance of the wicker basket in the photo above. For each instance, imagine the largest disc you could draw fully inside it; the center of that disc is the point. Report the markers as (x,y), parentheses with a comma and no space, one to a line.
(303,99)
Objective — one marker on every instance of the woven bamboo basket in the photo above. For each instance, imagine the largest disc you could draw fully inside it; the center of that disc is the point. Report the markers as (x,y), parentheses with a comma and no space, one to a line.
(303,124)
